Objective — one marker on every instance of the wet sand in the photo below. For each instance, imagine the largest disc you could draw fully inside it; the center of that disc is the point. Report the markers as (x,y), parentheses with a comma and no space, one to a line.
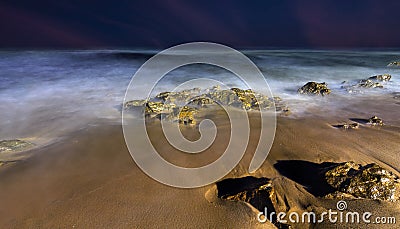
(89,179)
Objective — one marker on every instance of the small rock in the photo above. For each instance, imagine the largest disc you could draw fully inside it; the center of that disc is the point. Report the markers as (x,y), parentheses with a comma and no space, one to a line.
(346,126)
(375,121)
(186,115)
(135,103)
(314,88)
(369,84)
(384,77)
(394,64)
(339,195)
(14,145)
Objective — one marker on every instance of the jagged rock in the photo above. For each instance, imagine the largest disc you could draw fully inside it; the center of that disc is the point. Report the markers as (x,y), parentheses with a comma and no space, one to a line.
(346,126)
(258,192)
(375,121)
(156,108)
(384,77)
(370,181)
(201,101)
(135,103)
(186,115)
(336,176)
(314,88)
(168,104)
(394,64)
(14,145)
(369,84)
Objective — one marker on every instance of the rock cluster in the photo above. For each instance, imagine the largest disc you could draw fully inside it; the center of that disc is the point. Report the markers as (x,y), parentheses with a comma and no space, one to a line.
(371,82)
(183,106)
(356,181)
(14,145)
(314,88)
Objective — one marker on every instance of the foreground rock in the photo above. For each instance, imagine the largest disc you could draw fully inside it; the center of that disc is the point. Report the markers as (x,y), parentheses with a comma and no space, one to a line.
(314,88)
(370,181)
(14,145)
(184,105)
(258,192)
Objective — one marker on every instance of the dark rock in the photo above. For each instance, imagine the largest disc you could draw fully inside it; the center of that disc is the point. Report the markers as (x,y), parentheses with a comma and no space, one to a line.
(314,88)
(375,121)
(135,103)
(346,126)
(370,181)
(384,77)
(258,192)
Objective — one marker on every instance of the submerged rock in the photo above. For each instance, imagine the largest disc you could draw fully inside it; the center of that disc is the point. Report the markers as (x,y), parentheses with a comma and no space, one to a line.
(14,145)
(135,103)
(375,121)
(384,77)
(394,64)
(369,84)
(370,181)
(314,88)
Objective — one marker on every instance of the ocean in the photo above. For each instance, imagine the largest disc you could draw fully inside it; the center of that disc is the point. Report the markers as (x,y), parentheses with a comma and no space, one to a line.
(44,94)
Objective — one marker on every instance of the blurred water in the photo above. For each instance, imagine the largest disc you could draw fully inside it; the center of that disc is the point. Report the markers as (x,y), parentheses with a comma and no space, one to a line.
(46,93)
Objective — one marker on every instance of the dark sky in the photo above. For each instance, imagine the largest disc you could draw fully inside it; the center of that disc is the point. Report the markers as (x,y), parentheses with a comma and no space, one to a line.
(161,24)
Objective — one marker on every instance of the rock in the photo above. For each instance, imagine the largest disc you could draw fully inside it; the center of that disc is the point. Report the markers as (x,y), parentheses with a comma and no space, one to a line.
(201,101)
(339,195)
(370,181)
(336,176)
(375,121)
(186,115)
(135,103)
(346,126)
(384,77)
(167,104)
(314,88)
(14,145)
(394,64)
(258,192)
(369,84)
(156,109)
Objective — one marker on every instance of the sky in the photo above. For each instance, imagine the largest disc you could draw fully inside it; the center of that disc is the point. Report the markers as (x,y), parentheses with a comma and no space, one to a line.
(162,24)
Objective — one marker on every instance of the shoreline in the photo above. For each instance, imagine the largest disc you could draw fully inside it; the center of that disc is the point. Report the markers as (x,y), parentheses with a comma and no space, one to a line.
(67,182)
